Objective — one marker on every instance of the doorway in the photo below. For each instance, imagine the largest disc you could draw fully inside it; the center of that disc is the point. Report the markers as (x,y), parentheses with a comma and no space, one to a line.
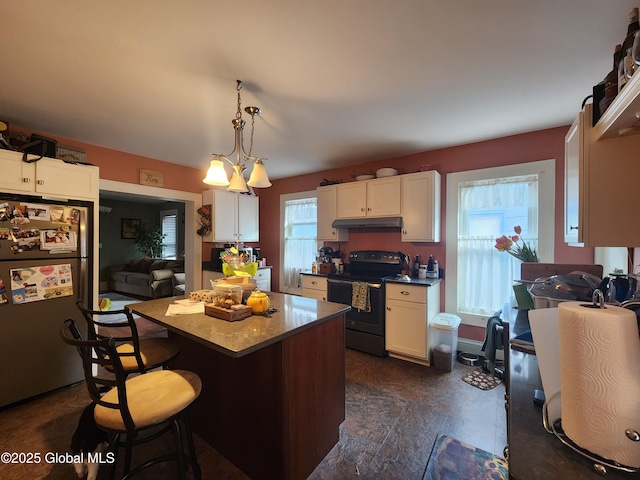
(191,202)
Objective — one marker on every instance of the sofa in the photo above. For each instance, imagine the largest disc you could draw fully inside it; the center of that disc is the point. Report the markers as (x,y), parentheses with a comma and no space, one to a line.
(145,277)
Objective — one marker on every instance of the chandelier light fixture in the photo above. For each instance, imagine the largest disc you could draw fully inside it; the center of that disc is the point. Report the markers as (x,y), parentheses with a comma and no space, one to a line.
(217,175)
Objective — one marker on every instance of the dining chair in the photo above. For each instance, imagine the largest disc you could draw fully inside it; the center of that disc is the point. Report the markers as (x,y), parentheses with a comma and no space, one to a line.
(140,408)
(136,354)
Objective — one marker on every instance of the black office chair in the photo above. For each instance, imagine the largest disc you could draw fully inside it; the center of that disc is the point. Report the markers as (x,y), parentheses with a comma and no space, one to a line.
(136,355)
(155,403)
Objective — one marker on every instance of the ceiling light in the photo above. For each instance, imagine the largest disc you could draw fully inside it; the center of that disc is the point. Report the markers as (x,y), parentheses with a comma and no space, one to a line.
(217,175)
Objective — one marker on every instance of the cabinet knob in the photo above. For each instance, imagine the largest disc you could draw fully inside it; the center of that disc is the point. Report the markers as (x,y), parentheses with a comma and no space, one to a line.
(389,308)
(26,180)
(404,232)
(314,283)
(324,299)
(369,209)
(404,292)
(362,209)
(40,182)
(573,228)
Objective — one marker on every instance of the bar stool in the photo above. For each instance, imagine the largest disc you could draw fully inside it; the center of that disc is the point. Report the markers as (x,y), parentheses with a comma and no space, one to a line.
(155,403)
(136,355)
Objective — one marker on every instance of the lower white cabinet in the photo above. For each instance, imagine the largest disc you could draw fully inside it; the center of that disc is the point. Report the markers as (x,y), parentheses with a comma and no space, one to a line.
(410,310)
(314,287)
(263,279)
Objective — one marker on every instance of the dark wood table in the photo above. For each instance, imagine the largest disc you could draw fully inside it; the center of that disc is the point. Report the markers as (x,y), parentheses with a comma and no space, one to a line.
(535,454)
(273,393)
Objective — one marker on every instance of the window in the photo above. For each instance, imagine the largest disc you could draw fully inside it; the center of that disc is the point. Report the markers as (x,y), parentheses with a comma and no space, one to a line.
(298,216)
(169,225)
(490,203)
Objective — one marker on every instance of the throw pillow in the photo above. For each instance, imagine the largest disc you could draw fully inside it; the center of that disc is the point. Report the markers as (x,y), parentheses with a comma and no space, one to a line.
(145,264)
(133,265)
(157,265)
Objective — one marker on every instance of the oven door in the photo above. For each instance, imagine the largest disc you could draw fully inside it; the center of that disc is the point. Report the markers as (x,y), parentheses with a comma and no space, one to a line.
(341,291)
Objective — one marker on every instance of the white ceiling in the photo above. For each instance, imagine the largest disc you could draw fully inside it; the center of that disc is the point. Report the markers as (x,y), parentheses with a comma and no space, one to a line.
(339,81)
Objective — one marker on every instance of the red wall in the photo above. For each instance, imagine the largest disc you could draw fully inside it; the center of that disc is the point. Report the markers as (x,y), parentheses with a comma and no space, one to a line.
(540,145)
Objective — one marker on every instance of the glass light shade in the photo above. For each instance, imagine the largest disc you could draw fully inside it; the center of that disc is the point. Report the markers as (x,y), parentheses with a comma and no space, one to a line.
(238,183)
(216,175)
(259,177)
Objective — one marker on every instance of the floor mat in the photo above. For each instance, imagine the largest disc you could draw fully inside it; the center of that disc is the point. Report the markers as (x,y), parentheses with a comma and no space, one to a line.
(481,379)
(452,459)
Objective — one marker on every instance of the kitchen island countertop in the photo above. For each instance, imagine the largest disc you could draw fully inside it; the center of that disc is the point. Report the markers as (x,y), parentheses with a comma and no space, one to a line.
(294,314)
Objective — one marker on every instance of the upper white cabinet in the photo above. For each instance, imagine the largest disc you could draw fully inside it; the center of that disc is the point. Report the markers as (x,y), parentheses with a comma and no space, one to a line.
(421,207)
(601,178)
(235,217)
(327,201)
(371,198)
(48,176)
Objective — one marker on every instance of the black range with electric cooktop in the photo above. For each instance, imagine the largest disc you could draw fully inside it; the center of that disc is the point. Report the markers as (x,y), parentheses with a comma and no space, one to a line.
(362,287)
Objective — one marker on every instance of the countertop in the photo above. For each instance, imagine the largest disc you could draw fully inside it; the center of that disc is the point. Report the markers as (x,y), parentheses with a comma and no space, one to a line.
(425,282)
(242,337)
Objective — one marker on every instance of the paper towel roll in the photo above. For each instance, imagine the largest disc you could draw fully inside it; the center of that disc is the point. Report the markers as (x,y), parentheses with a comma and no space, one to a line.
(600,379)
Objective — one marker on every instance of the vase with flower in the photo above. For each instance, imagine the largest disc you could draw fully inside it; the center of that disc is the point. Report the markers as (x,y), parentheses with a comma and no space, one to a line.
(515,246)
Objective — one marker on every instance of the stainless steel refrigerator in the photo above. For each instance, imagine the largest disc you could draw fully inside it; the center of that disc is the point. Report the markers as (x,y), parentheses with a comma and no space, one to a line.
(45,267)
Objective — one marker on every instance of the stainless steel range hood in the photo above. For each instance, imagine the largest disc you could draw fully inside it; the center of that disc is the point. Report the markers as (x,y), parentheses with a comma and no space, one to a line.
(380,222)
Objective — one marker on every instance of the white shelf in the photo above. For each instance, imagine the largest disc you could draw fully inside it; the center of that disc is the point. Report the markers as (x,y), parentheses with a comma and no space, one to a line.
(622,114)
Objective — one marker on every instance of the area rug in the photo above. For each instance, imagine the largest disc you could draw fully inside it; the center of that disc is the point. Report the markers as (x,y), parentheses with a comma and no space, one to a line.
(481,379)
(452,459)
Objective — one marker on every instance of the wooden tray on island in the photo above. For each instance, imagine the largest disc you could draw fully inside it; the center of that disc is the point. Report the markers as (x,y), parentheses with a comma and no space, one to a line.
(228,314)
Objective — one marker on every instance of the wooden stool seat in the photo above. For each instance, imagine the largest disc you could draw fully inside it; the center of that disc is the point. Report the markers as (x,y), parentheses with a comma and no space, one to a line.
(152,398)
(136,354)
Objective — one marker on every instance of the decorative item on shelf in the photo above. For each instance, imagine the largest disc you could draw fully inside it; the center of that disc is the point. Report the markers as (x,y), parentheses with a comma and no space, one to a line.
(217,175)
(510,245)
(151,178)
(236,263)
(205,220)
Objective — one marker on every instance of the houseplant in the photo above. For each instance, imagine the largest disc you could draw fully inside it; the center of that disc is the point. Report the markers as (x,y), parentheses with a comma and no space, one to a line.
(148,241)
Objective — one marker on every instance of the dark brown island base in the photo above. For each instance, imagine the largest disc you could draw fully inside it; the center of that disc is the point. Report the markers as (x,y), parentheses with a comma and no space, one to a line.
(273,394)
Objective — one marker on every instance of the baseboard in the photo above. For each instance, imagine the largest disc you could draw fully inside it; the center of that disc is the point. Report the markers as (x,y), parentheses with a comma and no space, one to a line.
(474,346)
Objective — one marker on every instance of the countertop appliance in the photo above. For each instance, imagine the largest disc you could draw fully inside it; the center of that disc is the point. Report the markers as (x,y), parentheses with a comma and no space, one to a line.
(44,268)
(365,330)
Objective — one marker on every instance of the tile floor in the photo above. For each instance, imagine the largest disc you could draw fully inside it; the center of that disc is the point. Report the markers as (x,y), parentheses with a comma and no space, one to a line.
(394,411)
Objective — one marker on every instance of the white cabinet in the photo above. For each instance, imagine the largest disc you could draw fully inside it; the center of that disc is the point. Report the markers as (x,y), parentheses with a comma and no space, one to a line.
(371,198)
(410,310)
(314,287)
(421,207)
(327,200)
(235,217)
(573,146)
(48,176)
(601,179)
(263,279)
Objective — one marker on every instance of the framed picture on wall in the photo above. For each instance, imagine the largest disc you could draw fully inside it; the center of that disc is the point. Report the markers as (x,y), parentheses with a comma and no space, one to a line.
(129,227)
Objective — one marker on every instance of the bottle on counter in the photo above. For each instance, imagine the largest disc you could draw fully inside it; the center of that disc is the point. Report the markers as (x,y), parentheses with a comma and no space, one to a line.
(416,266)
(436,268)
(314,268)
(430,264)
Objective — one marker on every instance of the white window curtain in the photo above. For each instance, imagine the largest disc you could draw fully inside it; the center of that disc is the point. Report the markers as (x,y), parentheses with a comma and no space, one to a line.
(169,223)
(300,240)
(488,209)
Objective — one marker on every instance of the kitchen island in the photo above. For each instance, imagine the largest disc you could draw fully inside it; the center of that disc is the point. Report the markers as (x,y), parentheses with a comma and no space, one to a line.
(273,394)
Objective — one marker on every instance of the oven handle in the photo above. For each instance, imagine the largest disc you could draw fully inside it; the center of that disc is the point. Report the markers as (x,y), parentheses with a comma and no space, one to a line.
(347,282)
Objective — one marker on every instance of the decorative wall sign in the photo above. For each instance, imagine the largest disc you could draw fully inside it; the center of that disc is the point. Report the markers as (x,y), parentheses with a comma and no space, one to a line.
(151,178)
(129,227)
(41,283)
